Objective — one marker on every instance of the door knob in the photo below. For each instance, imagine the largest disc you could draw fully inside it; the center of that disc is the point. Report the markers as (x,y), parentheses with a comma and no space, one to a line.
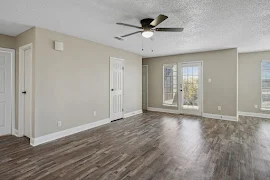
(112,89)
(24,92)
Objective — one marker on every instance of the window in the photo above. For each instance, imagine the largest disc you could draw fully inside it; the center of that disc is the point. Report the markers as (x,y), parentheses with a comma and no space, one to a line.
(265,85)
(170,85)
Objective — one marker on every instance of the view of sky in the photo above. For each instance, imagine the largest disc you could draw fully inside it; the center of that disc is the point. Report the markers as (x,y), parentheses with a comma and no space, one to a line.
(189,71)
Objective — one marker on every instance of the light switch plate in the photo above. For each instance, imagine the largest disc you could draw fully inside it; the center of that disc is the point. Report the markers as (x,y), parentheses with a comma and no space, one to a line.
(209,80)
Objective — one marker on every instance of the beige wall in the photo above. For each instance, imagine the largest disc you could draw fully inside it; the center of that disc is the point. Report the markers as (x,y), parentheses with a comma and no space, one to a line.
(250,81)
(220,66)
(70,85)
(7,41)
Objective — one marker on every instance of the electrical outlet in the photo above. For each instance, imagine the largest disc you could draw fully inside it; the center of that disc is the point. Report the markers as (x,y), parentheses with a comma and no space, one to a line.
(219,108)
(95,113)
(255,106)
(59,123)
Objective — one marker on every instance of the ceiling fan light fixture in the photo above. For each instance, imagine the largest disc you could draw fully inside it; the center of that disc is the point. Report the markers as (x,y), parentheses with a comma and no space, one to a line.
(148,27)
(147,34)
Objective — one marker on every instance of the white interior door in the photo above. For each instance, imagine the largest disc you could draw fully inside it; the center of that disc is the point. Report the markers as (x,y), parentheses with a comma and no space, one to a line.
(190,88)
(116,88)
(145,87)
(5,93)
(26,91)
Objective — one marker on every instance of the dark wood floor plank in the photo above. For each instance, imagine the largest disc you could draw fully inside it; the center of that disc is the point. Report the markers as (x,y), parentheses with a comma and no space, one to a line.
(152,145)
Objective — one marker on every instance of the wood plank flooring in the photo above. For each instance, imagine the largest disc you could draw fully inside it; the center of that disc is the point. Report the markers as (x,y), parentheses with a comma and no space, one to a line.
(152,145)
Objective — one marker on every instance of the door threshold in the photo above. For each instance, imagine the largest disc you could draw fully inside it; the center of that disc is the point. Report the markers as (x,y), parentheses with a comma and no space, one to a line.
(117,120)
(191,115)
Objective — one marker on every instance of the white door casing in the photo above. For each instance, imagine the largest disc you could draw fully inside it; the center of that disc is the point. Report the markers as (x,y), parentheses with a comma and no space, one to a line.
(25,91)
(5,93)
(116,88)
(190,88)
(27,101)
(145,87)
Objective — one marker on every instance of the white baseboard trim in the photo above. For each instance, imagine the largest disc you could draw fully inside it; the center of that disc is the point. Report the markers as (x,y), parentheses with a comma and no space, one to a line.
(251,114)
(221,117)
(15,132)
(206,115)
(50,137)
(133,113)
(163,110)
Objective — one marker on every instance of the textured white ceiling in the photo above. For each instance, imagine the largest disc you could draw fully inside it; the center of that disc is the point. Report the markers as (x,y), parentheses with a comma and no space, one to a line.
(209,24)
(12,29)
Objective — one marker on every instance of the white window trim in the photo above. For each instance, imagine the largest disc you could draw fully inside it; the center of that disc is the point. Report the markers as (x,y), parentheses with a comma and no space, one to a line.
(263,109)
(169,105)
(164,104)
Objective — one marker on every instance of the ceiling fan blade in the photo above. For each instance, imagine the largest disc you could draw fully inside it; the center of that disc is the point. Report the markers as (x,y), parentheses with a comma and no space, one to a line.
(128,25)
(131,34)
(158,20)
(118,38)
(169,29)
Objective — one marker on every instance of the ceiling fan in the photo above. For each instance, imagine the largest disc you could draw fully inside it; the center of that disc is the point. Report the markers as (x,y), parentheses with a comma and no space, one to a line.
(149,27)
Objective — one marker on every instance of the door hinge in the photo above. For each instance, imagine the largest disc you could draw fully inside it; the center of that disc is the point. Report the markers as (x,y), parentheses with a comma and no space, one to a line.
(123,110)
(123,68)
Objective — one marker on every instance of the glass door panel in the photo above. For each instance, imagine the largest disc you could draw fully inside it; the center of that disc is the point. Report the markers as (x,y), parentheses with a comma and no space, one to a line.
(190,88)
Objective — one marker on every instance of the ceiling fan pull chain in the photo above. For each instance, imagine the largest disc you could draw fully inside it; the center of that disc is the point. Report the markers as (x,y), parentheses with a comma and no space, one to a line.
(152,44)
(142,44)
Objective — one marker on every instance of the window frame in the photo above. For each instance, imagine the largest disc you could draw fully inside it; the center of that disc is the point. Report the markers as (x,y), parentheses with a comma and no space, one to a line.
(163,67)
(263,108)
